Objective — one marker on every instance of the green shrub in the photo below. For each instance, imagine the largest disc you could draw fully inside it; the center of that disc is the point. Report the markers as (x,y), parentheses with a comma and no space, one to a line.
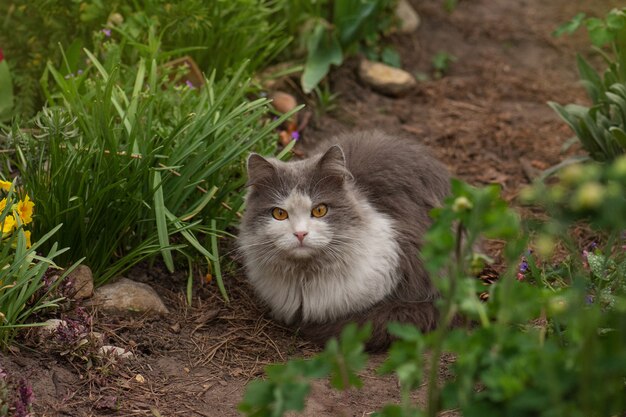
(22,269)
(601,128)
(549,340)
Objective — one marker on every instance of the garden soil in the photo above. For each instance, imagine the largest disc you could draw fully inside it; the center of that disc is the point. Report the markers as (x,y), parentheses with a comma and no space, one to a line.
(486,119)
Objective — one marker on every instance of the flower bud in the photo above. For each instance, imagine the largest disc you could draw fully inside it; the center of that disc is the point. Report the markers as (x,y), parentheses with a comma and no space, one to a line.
(572,174)
(589,196)
(461,204)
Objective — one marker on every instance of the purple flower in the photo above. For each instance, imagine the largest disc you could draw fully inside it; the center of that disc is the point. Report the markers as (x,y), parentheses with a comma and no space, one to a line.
(190,85)
(295,135)
(79,72)
(107,32)
(523,266)
(589,299)
(25,398)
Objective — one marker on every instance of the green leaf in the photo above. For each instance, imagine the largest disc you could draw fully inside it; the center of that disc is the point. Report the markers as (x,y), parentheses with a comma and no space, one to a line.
(323,50)
(391,57)
(592,81)
(161,221)
(619,135)
(597,264)
(615,20)
(599,34)
(6,91)
(350,17)
(569,27)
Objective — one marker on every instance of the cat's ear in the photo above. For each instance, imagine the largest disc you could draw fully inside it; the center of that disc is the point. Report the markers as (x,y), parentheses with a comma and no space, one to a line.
(333,164)
(259,169)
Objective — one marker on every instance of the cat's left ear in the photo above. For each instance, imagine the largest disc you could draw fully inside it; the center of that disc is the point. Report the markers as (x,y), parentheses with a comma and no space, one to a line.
(333,163)
(259,169)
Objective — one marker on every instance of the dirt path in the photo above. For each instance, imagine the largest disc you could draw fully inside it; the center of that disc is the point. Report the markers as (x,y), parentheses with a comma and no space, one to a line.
(487,120)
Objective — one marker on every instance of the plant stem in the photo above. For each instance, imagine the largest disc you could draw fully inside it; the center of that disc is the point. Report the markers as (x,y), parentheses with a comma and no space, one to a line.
(448,312)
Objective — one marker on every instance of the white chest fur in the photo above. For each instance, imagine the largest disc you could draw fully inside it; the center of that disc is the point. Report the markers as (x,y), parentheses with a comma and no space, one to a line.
(365,272)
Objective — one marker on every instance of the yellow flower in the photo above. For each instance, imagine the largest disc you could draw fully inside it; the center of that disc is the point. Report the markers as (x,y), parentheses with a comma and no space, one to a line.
(27,236)
(9,224)
(5,185)
(3,204)
(25,210)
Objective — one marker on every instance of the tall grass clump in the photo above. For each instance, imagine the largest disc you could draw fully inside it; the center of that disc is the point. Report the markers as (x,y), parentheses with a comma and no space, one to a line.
(135,163)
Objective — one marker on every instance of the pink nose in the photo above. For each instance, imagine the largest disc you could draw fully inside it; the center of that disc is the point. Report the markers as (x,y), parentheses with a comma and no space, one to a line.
(300,235)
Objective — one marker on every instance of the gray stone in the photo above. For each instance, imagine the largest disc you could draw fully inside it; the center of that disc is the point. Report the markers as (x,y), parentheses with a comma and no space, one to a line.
(82,282)
(408,17)
(125,296)
(385,79)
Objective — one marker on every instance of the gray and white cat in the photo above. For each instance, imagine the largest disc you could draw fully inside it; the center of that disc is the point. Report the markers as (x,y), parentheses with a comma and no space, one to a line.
(335,238)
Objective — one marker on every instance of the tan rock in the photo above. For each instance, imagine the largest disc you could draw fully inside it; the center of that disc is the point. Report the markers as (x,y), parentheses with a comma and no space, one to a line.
(407,16)
(125,296)
(385,79)
(82,280)
(115,351)
(283,102)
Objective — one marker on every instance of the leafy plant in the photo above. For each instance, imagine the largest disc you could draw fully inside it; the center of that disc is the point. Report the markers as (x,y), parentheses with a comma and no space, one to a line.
(546,342)
(601,128)
(21,268)
(337,30)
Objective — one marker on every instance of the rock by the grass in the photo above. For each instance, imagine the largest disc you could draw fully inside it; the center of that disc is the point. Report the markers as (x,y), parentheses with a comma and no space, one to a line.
(82,282)
(115,351)
(125,296)
(407,16)
(385,79)
(283,102)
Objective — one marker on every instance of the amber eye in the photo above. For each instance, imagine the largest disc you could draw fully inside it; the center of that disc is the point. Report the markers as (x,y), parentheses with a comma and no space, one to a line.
(319,211)
(279,214)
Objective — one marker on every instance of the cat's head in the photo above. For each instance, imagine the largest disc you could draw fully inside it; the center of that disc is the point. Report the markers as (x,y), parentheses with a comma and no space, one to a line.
(301,209)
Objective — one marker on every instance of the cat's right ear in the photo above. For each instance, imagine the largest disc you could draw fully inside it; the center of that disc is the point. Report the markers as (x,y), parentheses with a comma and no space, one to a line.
(259,169)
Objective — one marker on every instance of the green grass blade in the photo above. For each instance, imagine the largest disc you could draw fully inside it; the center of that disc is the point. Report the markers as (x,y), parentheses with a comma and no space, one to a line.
(216,263)
(161,221)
